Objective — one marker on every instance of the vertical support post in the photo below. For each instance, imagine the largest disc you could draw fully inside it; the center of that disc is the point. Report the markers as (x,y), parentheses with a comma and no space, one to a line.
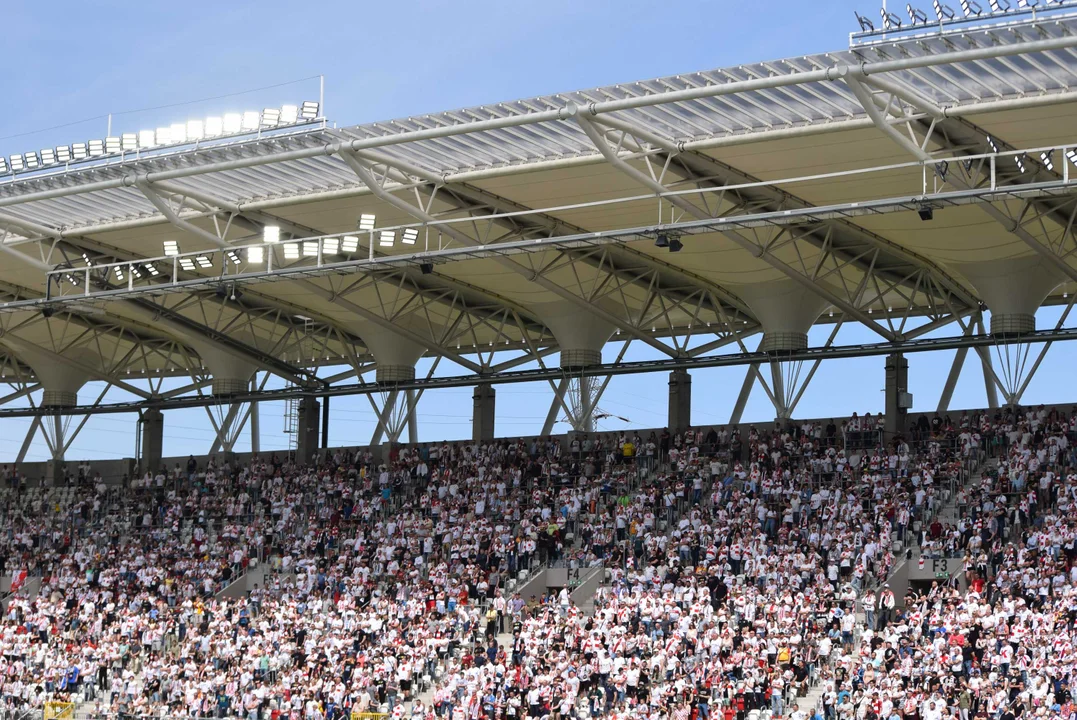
(152,424)
(413,419)
(325,423)
(745,392)
(58,444)
(988,369)
(555,406)
(897,394)
(256,426)
(680,401)
(482,414)
(28,440)
(306,430)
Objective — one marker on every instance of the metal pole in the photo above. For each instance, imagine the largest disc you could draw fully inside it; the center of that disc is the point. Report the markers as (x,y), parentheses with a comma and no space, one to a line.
(558,399)
(325,423)
(29,439)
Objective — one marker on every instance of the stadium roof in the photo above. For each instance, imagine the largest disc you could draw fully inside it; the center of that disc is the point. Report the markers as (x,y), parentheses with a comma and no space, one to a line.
(807,176)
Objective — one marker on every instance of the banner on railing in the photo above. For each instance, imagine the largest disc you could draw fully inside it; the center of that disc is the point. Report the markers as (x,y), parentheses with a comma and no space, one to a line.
(56,710)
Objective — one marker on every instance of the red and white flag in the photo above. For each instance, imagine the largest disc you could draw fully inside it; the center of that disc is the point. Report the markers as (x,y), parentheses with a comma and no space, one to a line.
(18,579)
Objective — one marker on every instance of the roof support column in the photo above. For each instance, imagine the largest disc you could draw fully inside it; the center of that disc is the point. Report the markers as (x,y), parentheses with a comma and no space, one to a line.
(898,400)
(482,414)
(307,419)
(152,429)
(680,401)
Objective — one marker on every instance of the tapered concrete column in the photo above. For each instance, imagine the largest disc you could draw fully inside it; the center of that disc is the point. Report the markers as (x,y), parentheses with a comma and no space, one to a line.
(786,310)
(1013,289)
(153,433)
(231,375)
(308,416)
(680,401)
(898,399)
(482,415)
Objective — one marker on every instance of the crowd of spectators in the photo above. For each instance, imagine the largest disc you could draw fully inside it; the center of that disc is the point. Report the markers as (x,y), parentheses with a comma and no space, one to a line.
(737,560)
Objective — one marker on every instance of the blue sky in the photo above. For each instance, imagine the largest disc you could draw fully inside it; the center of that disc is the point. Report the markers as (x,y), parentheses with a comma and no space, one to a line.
(79,61)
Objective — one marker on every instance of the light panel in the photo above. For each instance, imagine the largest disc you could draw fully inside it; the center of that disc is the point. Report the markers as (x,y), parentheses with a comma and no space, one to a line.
(16,163)
(331,246)
(289,115)
(63,153)
(233,123)
(349,243)
(171,248)
(250,120)
(164,136)
(310,248)
(309,110)
(366,221)
(30,158)
(112,145)
(146,139)
(271,234)
(119,272)
(256,255)
(214,127)
(79,151)
(178,132)
(270,117)
(48,156)
(97,148)
(386,238)
(151,269)
(187,264)
(291,251)
(129,142)
(409,236)
(203,261)
(195,131)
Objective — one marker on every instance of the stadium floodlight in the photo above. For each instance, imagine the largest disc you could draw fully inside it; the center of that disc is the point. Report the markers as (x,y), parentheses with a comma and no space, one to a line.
(135,272)
(97,148)
(63,153)
(865,24)
(171,248)
(971,8)
(146,139)
(112,146)
(890,20)
(119,272)
(195,130)
(86,259)
(203,261)
(250,121)
(30,158)
(187,264)
(233,255)
(386,238)
(409,236)
(271,234)
(943,12)
(993,145)
(151,269)
(330,246)
(310,248)
(309,110)
(289,114)
(1000,6)
(349,243)
(233,123)
(291,251)
(48,156)
(178,132)
(916,15)
(1071,155)
(1020,163)
(164,136)
(3,166)
(366,221)
(1045,157)
(270,118)
(214,127)
(79,151)
(256,255)
(1026,4)
(16,163)
(129,142)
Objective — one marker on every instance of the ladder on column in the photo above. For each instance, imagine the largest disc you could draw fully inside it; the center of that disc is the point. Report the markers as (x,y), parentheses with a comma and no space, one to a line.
(291,422)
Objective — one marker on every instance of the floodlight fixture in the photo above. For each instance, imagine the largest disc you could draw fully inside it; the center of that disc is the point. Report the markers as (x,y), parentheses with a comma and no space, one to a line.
(865,24)
(943,12)
(96,148)
(270,118)
(309,110)
(187,264)
(1045,158)
(409,236)
(971,8)
(890,20)
(3,166)
(926,212)
(171,248)
(271,234)
(1020,162)
(48,156)
(1000,6)
(129,142)
(916,15)
(233,255)
(118,271)
(386,238)
(349,243)
(1026,4)
(164,136)
(195,130)
(256,255)
(151,269)
(203,261)
(233,123)
(178,131)
(79,151)
(330,246)
(1071,155)
(30,158)
(146,139)
(135,272)
(291,251)
(310,248)
(289,114)
(214,127)
(250,121)
(63,153)
(112,146)
(86,259)
(992,144)
(366,221)
(16,163)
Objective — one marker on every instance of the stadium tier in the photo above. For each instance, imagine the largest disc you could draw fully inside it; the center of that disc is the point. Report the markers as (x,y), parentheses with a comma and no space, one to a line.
(919,185)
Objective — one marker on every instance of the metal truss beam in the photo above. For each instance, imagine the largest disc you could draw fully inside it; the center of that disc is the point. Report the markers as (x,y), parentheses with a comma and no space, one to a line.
(624,368)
